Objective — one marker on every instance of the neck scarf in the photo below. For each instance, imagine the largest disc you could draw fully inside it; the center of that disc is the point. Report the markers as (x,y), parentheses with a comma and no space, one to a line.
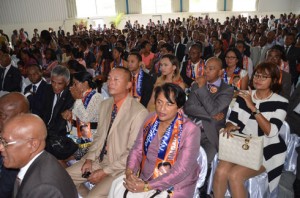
(190,69)
(169,145)
(235,79)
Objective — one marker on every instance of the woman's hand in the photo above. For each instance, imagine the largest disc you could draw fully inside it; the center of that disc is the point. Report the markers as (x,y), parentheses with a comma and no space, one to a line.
(133,183)
(247,96)
(76,94)
(229,127)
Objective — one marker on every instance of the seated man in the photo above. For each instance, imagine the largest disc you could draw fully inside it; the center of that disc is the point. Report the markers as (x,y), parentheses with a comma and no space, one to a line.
(142,83)
(120,119)
(194,67)
(11,105)
(207,105)
(58,99)
(36,91)
(22,146)
(10,77)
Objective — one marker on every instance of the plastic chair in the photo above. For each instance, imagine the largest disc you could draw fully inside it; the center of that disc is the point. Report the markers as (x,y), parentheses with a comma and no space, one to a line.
(202,161)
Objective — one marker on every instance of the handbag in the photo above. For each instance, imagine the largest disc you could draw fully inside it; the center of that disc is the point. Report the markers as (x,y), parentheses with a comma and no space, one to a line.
(241,149)
(62,147)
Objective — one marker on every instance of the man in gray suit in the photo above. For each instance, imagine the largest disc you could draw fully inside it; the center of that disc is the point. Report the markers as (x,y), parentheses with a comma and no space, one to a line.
(207,105)
(22,146)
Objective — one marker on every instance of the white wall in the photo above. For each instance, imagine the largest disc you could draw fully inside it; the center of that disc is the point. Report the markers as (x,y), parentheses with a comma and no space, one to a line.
(43,14)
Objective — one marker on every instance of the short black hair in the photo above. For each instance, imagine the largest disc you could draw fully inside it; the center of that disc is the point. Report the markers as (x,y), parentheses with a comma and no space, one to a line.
(139,57)
(167,89)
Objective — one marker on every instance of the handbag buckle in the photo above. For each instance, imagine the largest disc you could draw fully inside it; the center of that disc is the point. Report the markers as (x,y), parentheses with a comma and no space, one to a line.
(246,145)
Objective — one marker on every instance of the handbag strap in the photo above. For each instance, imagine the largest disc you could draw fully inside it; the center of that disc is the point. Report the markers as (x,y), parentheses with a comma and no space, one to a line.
(152,196)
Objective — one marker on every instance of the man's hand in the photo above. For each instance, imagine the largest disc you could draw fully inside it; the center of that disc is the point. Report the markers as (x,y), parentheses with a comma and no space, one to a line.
(219,116)
(87,166)
(201,81)
(97,176)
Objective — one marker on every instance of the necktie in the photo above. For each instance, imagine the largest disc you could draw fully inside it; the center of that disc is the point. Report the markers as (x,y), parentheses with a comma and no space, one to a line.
(16,186)
(34,88)
(57,98)
(2,77)
(113,116)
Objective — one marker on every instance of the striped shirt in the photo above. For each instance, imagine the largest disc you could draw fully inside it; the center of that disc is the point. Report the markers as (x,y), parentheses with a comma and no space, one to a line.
(274,110)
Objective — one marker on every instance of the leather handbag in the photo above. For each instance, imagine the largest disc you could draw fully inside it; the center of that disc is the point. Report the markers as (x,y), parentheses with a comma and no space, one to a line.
(241,149)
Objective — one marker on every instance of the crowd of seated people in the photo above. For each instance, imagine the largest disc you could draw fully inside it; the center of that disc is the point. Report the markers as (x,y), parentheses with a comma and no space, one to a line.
(67,78)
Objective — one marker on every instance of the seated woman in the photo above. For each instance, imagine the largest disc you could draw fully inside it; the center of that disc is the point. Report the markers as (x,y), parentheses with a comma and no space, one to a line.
(164,156)
(169,67)
(260,112)
(85,112)
(234,73)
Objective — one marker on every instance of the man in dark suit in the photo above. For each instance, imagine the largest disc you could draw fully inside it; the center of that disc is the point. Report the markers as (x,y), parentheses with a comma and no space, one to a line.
(11,105)
(58,99)
(194,67)
(22,147)
(207,106)
(60,32)
(292,54)
(179,48)
(142,83)
(10,77)
(36,91)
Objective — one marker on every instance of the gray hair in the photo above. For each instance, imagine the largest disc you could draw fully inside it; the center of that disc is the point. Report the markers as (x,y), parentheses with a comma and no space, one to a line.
(60,70)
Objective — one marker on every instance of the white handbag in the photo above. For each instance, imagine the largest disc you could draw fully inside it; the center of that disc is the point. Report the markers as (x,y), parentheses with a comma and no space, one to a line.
(241,149)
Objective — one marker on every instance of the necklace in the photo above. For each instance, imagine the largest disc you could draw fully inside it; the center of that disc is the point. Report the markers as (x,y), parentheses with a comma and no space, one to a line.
(268,97)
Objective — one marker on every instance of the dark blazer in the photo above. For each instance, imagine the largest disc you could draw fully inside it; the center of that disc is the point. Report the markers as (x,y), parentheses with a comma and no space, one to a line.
(147,88)
(90,59)
(46,178)
(202,105)
(37,100)
(180,52)
(57,125)
(12,80)
(183,75)
(286,85)
(292,118)
(292,56)
(208,52)
(7,180)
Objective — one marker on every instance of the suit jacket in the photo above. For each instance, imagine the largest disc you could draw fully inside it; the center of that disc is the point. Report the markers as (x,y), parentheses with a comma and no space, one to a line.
(286,85)
(7,180)
(292,118)
(208,52)
(147,88)
(12,80)
(57,125)
(202,105)
(292,57)
(46,178)
(180,52)
(37,100)
(122,134)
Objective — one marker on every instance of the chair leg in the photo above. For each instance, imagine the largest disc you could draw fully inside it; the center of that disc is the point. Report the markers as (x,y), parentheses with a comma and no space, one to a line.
(203,189)
(296,187)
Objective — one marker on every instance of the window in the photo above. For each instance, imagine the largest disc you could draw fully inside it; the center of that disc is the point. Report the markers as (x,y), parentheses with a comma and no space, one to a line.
(156,6)
(245,5)
(93,8)
(203,6)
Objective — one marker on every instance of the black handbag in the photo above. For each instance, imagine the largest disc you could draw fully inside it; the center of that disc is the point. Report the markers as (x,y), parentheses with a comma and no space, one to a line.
(61,147)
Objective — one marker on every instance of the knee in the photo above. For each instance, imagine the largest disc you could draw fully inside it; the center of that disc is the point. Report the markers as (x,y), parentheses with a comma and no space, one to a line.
(235,177)
(221,173)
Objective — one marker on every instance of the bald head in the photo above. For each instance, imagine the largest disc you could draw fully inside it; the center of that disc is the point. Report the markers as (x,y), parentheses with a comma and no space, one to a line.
(11,105)
(26,126)
(218,62)
(27,134)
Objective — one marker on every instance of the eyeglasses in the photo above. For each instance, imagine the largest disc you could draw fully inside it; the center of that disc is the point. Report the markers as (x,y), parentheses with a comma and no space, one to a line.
(261,77)
(5,143)
(230,57)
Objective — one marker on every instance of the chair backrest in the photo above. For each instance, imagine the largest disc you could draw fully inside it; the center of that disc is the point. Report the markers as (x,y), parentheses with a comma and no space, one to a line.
(202,161)
(285,133)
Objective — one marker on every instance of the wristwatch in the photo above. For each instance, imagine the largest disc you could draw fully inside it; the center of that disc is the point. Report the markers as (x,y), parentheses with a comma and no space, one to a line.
(255,112)
(146,186)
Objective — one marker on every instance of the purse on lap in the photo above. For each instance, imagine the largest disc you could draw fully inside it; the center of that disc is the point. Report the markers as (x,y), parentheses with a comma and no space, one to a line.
(241,149)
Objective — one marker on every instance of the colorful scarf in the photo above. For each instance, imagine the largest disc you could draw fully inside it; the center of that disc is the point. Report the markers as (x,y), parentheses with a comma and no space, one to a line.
(233,77)
(190,69)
